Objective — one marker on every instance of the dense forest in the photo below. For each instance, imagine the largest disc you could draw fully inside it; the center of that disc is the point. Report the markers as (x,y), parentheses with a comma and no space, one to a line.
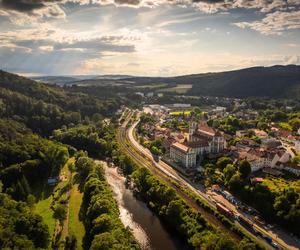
(42,129)
(44,108)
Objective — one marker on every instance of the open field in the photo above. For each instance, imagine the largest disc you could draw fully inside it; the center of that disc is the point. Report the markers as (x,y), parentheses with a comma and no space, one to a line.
(152,86)
(180,88)
(75,225)
(43,209)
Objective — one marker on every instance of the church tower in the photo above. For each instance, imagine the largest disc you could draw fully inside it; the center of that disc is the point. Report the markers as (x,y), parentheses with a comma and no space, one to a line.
(192,129)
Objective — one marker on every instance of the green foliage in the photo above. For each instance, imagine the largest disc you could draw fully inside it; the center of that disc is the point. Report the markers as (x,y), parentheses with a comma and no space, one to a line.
(223,162)
(164,201)
(97,139)
(19,227)
(100,214)
(175,124)
(155,147)
(44,108)
(27,159)
(60,213)
(244,168)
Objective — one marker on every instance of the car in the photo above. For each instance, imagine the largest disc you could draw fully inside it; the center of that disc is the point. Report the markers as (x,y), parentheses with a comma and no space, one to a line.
(275,245)
(268,226)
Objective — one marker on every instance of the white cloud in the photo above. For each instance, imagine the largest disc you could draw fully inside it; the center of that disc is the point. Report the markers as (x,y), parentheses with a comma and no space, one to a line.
(274,23)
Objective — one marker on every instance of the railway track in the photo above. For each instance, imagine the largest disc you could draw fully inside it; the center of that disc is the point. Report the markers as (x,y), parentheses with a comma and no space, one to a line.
(142,160)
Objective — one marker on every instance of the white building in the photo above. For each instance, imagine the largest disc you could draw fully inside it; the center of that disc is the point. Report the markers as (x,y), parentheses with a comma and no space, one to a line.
(201,139)
(183,155)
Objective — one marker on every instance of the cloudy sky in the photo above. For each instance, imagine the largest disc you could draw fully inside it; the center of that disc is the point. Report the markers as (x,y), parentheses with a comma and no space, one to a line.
(146,37)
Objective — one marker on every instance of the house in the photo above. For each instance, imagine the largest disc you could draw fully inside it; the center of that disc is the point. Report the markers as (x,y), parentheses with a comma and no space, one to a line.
(257,180)
(241,133)
(270,143)
(260,133)
(254,157)
(272,171)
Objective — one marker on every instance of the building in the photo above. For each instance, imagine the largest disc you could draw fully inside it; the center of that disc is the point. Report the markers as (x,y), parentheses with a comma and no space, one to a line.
(183,155)
(297,146)
(201,140)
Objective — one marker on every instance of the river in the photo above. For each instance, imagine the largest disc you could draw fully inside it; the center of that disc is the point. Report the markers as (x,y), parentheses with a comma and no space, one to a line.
(146,226)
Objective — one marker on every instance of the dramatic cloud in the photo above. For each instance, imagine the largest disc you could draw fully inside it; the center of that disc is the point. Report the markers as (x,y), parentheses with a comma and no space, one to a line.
(274,23)
(146,37)
(204,5)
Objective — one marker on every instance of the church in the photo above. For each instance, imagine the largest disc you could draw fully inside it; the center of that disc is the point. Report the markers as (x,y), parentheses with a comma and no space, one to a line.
(201,140)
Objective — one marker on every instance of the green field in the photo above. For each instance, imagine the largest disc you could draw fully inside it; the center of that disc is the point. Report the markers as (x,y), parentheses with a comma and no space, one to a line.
(152,86)
(43,209)
(75,225)
(180,88)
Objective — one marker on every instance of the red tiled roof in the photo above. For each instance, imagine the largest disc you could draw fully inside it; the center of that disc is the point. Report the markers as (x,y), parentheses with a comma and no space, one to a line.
(180,146)
(206,130)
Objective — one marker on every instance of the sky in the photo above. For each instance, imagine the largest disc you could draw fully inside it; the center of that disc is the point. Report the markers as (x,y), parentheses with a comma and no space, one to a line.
(146,37)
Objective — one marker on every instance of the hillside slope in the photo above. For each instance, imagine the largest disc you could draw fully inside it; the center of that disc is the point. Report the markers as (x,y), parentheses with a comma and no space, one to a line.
(273,82)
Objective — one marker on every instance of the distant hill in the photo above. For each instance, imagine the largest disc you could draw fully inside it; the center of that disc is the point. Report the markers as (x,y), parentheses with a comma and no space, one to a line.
(60,80)
(274,82)
(69,80)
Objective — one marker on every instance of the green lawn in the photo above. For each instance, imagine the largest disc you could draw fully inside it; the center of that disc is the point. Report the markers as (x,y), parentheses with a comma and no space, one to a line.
(75,225)
(180,88)
(43,209)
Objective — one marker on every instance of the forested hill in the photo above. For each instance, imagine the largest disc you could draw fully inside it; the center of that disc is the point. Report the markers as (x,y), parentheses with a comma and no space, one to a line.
(50,191)
(44,108)
(273,82)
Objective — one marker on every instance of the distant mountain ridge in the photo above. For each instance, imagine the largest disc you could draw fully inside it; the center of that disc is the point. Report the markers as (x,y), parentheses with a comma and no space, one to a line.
(65,80)
(274,82)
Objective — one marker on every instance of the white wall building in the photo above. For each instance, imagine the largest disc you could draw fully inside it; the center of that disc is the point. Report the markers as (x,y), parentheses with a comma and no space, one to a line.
(201,139)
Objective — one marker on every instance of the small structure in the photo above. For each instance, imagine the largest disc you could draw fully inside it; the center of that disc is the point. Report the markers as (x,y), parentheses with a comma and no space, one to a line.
(256,180)
(52,180)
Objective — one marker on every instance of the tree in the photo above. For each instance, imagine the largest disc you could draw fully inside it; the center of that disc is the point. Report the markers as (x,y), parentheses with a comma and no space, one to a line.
(295,123)
(246,244)
(71,243)
(223,162)
(229,171)
(235,183)
(31,200)
(244,168)
(60,213)
(104,241)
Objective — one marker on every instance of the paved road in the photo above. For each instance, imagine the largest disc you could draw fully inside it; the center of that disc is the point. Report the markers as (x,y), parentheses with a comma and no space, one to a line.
(289,242)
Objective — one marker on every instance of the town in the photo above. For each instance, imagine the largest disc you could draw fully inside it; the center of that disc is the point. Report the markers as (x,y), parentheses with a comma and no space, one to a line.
(237,167)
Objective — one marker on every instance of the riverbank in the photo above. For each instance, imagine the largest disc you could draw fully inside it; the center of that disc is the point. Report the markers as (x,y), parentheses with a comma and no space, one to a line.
(144,224)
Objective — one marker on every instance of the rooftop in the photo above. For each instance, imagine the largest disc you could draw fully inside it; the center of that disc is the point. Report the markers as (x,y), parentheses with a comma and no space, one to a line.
(180,146)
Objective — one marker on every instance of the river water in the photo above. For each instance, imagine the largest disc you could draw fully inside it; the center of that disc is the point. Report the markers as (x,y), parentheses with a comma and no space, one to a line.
(145,226)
